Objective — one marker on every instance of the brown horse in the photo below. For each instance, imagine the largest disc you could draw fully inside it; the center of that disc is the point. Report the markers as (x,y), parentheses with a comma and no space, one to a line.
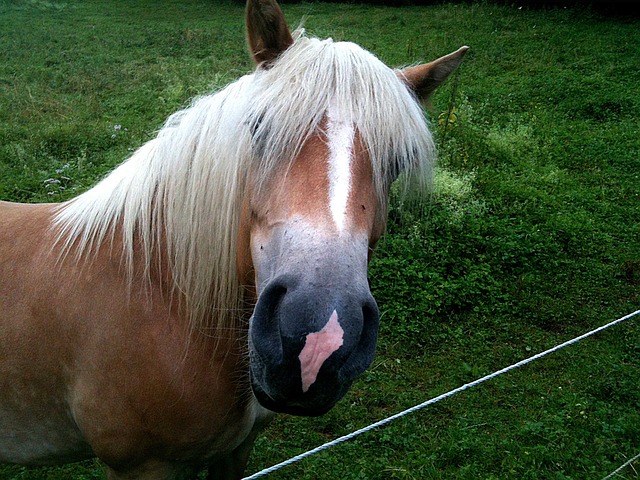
(219,274)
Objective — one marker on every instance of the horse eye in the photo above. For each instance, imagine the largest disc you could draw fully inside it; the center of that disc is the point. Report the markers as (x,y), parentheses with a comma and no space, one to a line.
(395,168)
(254,123)
(258,140)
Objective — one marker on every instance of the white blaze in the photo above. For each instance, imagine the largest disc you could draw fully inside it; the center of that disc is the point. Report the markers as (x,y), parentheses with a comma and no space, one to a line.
(340,135)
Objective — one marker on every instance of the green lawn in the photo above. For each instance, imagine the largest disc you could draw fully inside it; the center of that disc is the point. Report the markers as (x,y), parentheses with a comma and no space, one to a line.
(531,235)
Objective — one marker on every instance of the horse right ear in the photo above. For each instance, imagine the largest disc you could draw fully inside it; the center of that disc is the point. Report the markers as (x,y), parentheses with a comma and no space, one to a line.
(267,31)
(424,79)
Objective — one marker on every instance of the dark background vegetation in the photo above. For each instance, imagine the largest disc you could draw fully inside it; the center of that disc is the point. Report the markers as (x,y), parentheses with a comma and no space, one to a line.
(607,7)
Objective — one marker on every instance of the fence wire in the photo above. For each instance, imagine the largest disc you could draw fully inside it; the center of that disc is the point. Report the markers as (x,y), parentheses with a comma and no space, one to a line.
(431,401)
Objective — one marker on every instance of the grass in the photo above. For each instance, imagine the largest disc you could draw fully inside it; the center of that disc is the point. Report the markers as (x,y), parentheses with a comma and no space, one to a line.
(530,238)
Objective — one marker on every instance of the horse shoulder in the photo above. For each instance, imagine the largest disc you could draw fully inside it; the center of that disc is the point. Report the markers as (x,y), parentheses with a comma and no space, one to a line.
(111,365)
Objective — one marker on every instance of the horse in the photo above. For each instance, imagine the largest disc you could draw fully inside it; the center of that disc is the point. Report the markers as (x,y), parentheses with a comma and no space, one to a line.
(216,277)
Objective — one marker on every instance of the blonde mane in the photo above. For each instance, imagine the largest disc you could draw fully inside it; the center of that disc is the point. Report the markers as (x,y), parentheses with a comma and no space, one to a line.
(183,190)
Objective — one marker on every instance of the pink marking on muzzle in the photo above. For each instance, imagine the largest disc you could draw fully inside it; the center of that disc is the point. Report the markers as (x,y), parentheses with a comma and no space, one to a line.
(317,348)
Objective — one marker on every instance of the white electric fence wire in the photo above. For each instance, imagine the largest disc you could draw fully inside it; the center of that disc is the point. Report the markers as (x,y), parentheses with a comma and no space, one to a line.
(384,421)
(622,467)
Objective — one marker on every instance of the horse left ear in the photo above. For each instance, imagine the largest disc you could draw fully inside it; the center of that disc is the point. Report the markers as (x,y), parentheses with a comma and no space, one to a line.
(424,79)
(267,31)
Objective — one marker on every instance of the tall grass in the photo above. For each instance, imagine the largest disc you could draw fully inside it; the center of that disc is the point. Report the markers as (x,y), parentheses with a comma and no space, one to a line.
(531,235)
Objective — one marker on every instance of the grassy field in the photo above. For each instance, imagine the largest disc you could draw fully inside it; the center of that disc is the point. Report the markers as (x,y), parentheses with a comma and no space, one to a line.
(531,236)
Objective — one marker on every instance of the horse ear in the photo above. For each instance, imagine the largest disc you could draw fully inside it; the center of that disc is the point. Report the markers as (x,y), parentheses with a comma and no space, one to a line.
(424,79)
(267,31)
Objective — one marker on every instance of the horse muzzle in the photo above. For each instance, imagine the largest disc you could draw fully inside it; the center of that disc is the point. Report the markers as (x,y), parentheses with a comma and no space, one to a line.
(310,336)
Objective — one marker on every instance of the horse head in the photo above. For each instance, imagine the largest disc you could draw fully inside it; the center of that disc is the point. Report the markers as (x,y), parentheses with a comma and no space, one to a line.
(310,223)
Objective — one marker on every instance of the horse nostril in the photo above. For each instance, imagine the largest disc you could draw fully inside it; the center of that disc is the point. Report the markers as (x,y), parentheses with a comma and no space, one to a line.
(272,297)
(370,323)
(370,313)
(264,329)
